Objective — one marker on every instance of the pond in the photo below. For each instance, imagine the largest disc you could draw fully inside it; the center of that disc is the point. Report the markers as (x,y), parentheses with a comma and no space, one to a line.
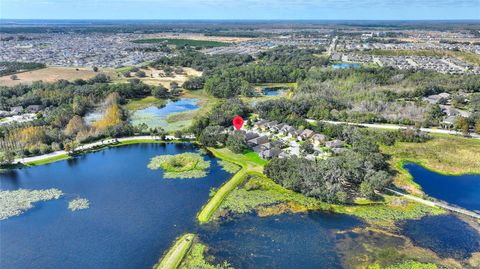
(463,191)
(284,241)
(157,116)
(274,91)
(446,235)
(346,66)
(134,213)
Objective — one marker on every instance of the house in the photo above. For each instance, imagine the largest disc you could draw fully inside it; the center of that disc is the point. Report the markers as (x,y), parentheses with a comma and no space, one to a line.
(289,131)
(318,139)
(334,144)
(257,141)
(270,153)
(277,128)
(16,110)
(33,108)
(259,124)
(250,136)
(306,134)
(338,150)
(271,124)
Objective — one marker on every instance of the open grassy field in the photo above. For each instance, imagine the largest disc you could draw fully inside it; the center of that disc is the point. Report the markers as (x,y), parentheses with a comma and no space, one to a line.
(148,101)
(443,154)
(52,74)
(468,57)
(155,77)
(182,42)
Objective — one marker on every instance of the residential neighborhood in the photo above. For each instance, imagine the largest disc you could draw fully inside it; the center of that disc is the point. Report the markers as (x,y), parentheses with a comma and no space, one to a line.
(273,139)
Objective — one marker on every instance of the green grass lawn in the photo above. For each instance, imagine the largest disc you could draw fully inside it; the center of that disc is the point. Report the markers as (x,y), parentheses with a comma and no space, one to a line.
(49,160)
(175,255)
(182,42)
(254,157)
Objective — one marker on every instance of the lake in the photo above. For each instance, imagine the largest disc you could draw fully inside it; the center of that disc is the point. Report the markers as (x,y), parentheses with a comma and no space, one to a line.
(134,213)
(285,241)
(157,116)
(345,66)
(446,235)
(463,191)
(135,216)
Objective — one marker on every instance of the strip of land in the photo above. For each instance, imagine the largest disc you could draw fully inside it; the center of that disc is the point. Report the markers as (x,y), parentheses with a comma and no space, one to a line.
(175,255)
(62,154)
(249,166)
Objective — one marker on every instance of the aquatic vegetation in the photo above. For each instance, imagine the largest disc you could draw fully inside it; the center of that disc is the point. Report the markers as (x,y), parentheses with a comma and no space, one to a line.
(406,265)
(196,259)
(261,194)
(185,165)
(228,166)
(78,204)
(16,202)
(389,211)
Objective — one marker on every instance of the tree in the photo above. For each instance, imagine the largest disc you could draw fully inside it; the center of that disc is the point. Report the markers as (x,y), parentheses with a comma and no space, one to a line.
(462,124)
(160,92)
(374,181)
(13,77)
(194,83)
(212,136)
(237,142)
(95,69)
(140,74)
(6,157)
(74,126)
(307,147)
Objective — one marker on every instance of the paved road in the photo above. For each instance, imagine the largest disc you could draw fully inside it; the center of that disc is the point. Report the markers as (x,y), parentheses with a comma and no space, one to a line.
(88,146)
(397,127)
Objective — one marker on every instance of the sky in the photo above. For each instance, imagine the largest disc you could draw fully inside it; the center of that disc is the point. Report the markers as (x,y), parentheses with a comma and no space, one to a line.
(242,9)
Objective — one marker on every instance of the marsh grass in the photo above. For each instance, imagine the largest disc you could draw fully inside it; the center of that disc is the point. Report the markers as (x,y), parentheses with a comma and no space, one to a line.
(78,204)
(448,155)
(264,196)
(185,165)
(197,258)
(228,166)
(16,202)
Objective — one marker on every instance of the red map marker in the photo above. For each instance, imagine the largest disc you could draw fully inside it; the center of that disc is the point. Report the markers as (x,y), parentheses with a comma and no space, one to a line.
(237,122)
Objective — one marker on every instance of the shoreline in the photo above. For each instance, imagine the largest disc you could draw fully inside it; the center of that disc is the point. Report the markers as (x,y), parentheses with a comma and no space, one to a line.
(94,146)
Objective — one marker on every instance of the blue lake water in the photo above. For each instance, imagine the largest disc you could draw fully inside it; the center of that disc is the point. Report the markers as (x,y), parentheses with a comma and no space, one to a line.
(463,191)
(345,66)
(446,235)
(156,116)
(284,241)
(134,213)
(274,91)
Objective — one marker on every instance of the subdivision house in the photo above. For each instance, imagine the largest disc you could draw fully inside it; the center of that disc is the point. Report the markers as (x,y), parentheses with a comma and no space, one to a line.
(318,139)
(270,153)
(305,134)
(16,110)
(335,144)
(257,141)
